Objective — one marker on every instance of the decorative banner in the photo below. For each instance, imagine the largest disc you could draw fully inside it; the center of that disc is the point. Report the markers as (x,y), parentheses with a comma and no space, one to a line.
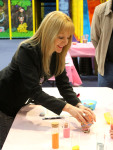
(86,23)
(82,13)
(77,17)
(4,19)
(16,18)
(57,5)
(91,6)
(21,18)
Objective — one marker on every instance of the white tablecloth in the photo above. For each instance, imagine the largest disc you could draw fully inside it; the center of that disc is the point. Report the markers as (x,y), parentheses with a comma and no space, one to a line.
(30,132)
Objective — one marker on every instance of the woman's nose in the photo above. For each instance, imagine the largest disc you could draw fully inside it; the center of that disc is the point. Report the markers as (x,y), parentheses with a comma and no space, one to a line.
(66,41)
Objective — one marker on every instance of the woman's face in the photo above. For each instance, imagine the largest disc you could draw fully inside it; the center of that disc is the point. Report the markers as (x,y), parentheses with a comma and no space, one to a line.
(61,40)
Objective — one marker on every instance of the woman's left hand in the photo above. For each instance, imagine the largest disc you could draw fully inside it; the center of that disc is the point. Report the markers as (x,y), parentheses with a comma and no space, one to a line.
(88,114)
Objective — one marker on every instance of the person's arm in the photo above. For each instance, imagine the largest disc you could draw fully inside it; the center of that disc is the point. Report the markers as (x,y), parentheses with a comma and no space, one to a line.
(71,98)
(82,115)
(66,90)
(95,28)
(87,111)
(75,112)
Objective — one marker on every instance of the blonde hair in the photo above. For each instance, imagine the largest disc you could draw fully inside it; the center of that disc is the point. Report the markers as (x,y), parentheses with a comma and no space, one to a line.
(53,23)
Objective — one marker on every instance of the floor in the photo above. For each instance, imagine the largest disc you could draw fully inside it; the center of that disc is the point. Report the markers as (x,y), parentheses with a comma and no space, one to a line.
(8,48)
(89,81)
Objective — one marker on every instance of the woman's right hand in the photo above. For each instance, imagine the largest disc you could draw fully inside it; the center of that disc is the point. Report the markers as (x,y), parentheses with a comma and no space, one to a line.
(75,112)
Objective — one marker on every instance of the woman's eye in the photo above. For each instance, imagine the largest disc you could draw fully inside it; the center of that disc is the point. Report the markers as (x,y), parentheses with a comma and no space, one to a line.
(60,37)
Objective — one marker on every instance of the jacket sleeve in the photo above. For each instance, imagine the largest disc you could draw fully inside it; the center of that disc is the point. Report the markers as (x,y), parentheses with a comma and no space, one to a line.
(65,89)
(27,61)
(95,28)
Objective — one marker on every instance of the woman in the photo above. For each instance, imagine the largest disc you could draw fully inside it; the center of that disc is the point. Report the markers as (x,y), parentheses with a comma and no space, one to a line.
(35,61)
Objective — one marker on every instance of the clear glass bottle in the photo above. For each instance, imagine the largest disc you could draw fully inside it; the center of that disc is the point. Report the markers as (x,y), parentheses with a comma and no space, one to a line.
(55,135)
(85,127)
(100,138)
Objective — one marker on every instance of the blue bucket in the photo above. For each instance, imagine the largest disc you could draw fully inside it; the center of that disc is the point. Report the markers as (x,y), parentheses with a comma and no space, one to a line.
(89,103)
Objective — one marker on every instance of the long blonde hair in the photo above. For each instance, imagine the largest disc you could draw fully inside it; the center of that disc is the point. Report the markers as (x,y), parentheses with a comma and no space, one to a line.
(50,27)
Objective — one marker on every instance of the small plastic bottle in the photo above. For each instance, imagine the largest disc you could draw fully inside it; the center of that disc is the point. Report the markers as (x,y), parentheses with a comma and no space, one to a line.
(55,135)
(66,130)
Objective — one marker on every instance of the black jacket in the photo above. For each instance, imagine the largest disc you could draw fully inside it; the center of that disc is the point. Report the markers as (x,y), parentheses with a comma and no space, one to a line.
(20,80)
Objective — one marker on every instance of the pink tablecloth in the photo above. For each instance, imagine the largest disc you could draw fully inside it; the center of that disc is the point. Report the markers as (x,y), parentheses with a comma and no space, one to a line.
(72,73)
(82,50)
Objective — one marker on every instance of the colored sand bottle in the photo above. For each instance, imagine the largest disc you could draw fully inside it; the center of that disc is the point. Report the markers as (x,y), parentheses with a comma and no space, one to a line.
(100,140)
(55,135)
(85,128)
(66,130)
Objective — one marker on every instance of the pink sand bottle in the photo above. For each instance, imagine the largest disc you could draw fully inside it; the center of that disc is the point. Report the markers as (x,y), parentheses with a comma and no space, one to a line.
(66,130)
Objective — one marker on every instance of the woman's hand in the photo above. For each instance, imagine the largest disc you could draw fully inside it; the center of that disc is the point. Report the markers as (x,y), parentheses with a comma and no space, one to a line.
(75,112)
(88,114)
(111,134)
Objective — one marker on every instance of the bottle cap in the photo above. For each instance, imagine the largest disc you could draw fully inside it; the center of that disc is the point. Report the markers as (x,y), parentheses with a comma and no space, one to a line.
(75,147)
(55,124)
(66,125)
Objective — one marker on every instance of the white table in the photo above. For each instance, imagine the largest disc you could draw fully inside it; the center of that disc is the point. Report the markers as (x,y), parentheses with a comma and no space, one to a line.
(29,132)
